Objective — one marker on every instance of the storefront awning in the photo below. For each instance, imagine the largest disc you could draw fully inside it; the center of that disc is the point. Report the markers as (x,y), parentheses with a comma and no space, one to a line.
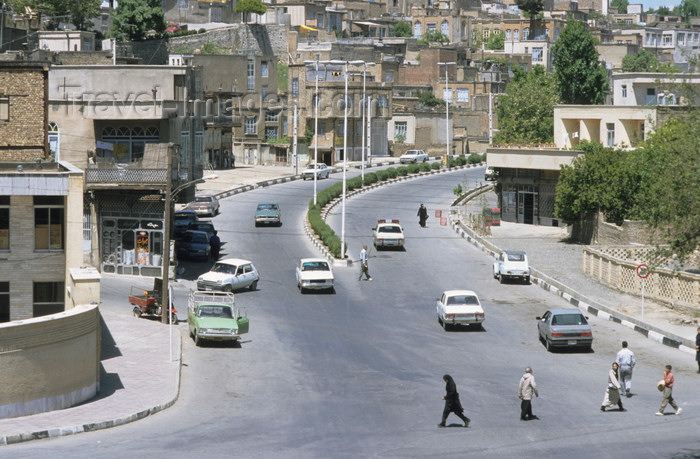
(307,29)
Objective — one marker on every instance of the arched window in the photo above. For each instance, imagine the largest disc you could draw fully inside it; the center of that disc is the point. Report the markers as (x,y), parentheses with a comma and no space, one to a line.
(54,140)
(445,29)
(128,144)
(417,30)
(507,34)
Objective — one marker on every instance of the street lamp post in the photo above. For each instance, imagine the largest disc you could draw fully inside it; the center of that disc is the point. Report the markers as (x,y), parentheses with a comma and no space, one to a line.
(364,111)
(447,108)
(294,141)
(316,132)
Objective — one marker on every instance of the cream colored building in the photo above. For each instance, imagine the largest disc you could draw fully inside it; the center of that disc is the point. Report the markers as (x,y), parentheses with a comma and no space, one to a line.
(610,125)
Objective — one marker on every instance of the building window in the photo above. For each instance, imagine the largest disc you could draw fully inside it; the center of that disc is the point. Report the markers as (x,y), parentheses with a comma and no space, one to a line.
(526,33)
(537,54)
(321,128)
(486,33)
(251,74)
(382,101)
(447,94)
(389,77)
(651,96)
(315,100)
(611,134)
(516,34)
(263,69)
(681,38)
(431,28)
(295,87)
(418,30)
(4,108)
(128,145)
(53,140)
(4,301)
(272,116)
(48,298)
(507,34)
(624,90)
(462,95)
(250,122)
(527,50)
(4,223)
(271,133)
(264,92)
(668,40)
(400,131)
(445,28)
(48,223)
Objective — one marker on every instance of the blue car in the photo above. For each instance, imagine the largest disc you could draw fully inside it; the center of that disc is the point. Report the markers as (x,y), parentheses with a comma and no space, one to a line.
(193,245)
(268,213)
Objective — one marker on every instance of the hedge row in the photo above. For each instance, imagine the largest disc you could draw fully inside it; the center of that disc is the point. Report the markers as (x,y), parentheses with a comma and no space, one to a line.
(326,234)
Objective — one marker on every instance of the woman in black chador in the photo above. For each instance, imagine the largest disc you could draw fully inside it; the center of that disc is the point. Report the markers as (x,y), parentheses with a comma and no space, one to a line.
(422,215)
(452,404)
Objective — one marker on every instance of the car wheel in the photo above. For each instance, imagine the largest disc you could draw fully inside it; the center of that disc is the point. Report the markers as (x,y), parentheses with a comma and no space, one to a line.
(527,280)
(257,224)
(253,286)
(227,288)
(174,321)
(588,348)
(444,325)
(500,279)
(197,339)
(548,345)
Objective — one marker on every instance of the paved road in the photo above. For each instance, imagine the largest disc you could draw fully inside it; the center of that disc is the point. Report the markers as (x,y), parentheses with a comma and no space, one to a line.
(358,373)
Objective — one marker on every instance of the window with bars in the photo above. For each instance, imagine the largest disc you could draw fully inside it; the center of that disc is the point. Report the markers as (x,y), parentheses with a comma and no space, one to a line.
(250,122)
(48,223)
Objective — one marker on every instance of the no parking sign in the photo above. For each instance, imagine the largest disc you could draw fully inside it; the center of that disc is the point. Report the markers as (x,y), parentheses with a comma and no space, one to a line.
(643,271)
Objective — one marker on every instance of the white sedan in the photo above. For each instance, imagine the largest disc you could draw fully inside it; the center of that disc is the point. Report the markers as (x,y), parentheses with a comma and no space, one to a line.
(413,156)
(314,274)
(459,307)
(320,170)
(388,233)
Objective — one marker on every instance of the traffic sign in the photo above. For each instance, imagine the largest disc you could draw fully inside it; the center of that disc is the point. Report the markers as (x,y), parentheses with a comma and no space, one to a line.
(643,271)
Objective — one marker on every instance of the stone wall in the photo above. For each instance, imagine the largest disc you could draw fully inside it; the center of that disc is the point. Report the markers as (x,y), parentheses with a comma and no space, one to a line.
(49,363)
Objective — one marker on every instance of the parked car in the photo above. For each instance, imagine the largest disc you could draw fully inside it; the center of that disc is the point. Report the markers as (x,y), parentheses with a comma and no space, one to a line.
(413,156)
(204,204)
(182,220)
(564,328)
(229,275)
(193,244)
(459,307)
(202,225)
(388,233)
(490,174)
(314,274)
(512,264)
(318,169)
(268,213)
(213,316)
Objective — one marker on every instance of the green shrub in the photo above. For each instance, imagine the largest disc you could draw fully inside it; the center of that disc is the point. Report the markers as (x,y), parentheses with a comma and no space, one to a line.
(391,172)
(461,161)
(402,171)
(424,167)
(371,178)
(413,168)
(435,166)
(451,163)
(474,158)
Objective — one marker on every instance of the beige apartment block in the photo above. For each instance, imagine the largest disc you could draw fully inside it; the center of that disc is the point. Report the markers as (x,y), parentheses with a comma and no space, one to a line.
(610,125)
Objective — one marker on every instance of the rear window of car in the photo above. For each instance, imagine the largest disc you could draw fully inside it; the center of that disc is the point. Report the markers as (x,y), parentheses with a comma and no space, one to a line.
(315,266)
(389,229)
(569,319)
(267,206)
(463,299)
(215,311)
(516,257)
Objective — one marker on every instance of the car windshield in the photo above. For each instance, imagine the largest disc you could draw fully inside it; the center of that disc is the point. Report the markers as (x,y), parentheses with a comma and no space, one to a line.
(202,226)
(223,268)
(267,206)
(463,299)
(313,166)
(183,218)
(315,266)
(199,238)
(516,257)
(569,319)
(389,229)
(202,199)
(215,311)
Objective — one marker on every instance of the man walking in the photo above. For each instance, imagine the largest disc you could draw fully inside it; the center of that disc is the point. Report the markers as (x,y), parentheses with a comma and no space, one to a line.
(214,246)
(364,259)
(667,395)
(625,360)
(697,348)
(526,388)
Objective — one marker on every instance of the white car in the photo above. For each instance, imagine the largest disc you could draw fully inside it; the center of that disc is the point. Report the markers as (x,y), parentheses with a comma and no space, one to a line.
(388,233)
(459,307)
(319,169)
(314,274)
(229,275)
(490,174)
(413,156)
(512,264)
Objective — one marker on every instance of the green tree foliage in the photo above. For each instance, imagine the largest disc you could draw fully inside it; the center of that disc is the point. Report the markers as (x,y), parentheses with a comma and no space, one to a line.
(621,5)
(495,41)
(432,36)
(525,111)
(668,167)
(532,8)
(137,20)
(641,61)
(251,6)
(77,12)
(429,100)
(581,79)
(402,29)
(598,180)
(688,9)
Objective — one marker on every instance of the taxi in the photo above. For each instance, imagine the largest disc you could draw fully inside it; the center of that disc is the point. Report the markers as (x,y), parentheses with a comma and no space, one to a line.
(388,233)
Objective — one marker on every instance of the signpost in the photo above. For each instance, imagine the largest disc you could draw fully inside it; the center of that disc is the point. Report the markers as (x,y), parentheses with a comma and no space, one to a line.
(643,272)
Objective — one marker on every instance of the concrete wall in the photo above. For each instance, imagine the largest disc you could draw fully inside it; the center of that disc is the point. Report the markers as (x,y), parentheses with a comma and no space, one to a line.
(256,38)
(50,362)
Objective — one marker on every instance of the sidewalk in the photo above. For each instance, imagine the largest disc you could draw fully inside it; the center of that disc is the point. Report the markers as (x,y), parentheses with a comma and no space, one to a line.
(139,379)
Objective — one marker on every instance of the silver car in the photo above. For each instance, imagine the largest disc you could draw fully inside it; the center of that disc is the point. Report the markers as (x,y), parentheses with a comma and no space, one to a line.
(204,204)
(559,328)
(413,156)
(318,169)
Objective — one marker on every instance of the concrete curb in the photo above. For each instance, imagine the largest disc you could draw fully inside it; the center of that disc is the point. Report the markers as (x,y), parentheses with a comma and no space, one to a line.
(579,300)
(12,439)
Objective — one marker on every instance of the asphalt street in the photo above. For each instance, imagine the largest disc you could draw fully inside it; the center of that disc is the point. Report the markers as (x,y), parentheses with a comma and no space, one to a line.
(359,373)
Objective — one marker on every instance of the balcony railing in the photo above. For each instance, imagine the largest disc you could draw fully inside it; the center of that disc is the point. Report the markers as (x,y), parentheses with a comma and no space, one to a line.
(126,175)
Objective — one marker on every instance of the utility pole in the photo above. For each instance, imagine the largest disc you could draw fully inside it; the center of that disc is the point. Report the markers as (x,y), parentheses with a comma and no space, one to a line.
(165,294)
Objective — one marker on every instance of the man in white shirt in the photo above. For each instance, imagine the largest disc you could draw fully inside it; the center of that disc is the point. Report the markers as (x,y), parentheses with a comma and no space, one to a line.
(625,360)
(364,259)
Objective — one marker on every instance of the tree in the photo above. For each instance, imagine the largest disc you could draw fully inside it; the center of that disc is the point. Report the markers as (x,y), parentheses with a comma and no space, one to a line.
(525,111)
(402,29)
(621,5)
(137,19)
(641,61)
(429,100)
(79,11)
(432,36)
(668,166)
(689,8)
(598,180)
(581,79)
(532,8)
(251,6)
(495,41)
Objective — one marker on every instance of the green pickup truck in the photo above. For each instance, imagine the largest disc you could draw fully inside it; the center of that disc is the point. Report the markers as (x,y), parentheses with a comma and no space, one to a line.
(213,316)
